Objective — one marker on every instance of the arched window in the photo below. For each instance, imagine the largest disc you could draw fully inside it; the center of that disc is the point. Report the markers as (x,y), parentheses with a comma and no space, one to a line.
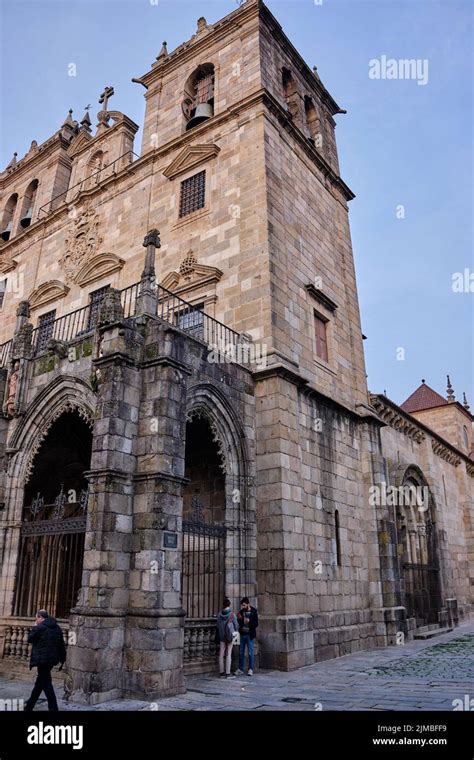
(288,83)
(29,204)
(198,102)
(292,96)
(7,219)
(313,122)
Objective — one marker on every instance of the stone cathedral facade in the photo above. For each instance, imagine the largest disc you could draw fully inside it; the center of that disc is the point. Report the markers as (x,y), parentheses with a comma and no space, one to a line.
(185,411)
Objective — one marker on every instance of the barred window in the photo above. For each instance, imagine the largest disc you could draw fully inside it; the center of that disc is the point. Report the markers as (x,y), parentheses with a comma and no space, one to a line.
(192,318)
(45,329)
(96,298)
(193,194)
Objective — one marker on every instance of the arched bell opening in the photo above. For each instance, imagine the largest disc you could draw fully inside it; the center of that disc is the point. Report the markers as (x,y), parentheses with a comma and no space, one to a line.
(29,204)
(54,521)
(198,102)
(8,216)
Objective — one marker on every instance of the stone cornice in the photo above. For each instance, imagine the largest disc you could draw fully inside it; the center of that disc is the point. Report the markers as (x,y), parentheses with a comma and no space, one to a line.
(396,419)
(440,447)
(321,297)
(445,452)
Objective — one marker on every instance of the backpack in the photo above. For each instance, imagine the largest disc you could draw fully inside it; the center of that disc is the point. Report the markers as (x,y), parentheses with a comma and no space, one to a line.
(229,629)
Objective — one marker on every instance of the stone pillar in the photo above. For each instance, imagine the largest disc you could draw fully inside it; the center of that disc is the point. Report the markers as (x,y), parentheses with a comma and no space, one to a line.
(95,658)
(147,297)
(286,636)
(155,624)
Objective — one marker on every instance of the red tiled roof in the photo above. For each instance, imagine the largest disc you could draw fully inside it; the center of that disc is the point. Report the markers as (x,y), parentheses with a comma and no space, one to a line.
(423,398)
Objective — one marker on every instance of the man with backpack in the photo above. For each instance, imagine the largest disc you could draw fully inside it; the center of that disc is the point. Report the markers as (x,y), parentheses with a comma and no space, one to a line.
(227,633)
(248,622)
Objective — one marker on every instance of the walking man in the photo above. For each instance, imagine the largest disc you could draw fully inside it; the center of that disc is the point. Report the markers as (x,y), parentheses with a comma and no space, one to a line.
(47,651)
(248,622)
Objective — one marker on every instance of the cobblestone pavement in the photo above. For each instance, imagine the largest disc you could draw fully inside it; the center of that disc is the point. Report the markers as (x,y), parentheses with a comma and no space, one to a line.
(422,675)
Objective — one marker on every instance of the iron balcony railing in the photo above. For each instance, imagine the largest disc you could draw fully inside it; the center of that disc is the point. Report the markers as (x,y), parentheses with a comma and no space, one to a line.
(89,182)
(170,309)
(82,321)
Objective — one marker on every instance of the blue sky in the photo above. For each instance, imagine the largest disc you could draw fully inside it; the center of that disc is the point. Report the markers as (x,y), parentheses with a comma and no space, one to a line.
(400,143)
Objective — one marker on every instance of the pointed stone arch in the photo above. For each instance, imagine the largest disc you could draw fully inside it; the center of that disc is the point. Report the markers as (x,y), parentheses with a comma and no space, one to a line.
(63,394)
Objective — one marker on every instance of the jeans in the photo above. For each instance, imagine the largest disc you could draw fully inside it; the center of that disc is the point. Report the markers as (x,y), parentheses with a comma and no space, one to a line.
(245,640)
(225,652)
(43,683)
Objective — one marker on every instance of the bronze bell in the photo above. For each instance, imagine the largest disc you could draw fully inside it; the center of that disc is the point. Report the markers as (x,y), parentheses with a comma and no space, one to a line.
(25,221)
(204,111)
(5,235)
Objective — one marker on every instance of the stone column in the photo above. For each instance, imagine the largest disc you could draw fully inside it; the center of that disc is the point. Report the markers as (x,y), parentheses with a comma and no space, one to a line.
(155,624)
(148,297)
(95,656)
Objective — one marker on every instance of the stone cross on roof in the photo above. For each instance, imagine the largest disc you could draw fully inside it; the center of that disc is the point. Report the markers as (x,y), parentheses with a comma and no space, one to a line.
(104,98)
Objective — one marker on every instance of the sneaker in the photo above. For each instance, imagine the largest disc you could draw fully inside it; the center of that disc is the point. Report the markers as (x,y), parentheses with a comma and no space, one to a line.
(239,672)
(250,673)
(230,675)
(222,675)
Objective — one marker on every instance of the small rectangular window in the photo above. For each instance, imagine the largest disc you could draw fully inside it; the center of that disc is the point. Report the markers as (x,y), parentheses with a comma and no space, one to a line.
(321,337)
(45,329)
(96,298)
(3,290)
(193,194)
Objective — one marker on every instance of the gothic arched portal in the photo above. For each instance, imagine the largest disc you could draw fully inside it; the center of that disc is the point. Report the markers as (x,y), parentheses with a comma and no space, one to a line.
(418,548)
(54,520)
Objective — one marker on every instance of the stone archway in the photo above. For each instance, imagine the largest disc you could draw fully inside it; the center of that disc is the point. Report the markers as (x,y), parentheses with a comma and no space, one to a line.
(216,520)
(418,547)
(64,396)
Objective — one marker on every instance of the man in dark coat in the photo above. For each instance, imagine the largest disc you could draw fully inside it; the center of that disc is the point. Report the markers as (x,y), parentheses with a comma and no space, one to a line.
(48,650)
(248,624)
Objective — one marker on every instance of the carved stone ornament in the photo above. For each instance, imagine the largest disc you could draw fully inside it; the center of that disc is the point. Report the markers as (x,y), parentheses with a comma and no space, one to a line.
(81,243)
(152,238)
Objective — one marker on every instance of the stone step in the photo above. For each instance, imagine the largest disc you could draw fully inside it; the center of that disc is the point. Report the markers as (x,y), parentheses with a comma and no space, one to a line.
(426,628)
(423,635)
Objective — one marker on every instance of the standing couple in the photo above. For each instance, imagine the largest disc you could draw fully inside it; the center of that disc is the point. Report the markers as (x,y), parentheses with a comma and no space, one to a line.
(230,629)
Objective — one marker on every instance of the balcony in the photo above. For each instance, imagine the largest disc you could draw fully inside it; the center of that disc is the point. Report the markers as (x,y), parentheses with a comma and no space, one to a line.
(171,309)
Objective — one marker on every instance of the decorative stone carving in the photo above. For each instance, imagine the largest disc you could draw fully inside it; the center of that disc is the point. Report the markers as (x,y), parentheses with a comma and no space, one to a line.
(57,347)
(81,244)
(152,238)
(191,275)
(22,341)
(12,389)
(111,309)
